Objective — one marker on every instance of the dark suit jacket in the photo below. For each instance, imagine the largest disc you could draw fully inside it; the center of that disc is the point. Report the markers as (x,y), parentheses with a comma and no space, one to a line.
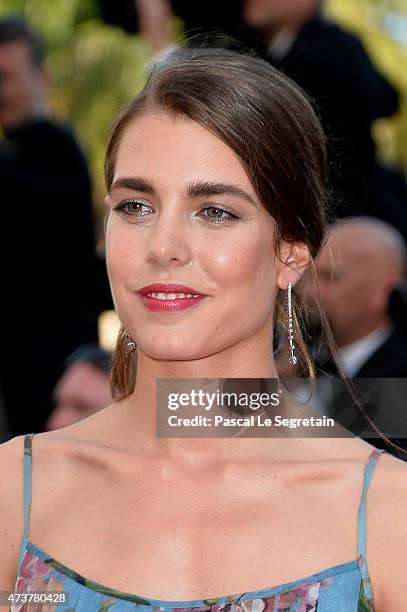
(349,94)
(389,360)
(54,286)
(381,387)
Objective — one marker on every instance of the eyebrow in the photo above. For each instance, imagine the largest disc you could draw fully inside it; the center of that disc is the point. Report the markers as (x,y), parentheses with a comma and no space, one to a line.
(196,189)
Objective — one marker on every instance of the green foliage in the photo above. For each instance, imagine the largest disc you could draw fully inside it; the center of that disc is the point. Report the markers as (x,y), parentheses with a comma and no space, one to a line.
(105,69)
(366,18)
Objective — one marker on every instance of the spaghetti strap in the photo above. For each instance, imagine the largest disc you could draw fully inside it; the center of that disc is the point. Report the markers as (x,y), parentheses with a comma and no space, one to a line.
(361,547)
(27,494)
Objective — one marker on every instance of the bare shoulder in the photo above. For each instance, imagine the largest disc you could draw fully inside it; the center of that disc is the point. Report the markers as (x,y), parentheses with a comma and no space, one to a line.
(390,491)
(53,453)
(46,446)
(11,508)
(389,496)
(387,523)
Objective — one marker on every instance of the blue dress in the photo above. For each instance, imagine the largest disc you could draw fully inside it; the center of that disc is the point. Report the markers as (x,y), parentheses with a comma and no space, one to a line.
(341,588)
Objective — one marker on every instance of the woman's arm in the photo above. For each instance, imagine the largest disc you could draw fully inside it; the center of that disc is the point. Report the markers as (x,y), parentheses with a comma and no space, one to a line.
(11,509)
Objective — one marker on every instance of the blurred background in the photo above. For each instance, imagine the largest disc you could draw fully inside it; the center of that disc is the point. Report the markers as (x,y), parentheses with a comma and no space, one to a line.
(93,60)
(97,66)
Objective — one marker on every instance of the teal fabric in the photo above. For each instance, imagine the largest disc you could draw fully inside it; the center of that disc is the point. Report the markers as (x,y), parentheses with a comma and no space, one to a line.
(341,588)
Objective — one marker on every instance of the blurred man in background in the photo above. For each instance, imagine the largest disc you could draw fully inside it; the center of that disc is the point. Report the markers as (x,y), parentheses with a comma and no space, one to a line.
(332,66)
(84,387)
(362,263)
(54,286)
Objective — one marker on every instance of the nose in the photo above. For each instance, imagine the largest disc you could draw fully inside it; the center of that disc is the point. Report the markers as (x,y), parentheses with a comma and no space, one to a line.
(169,243)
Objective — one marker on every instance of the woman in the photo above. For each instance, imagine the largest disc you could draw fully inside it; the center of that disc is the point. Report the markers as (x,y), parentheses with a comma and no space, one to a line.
(216,183)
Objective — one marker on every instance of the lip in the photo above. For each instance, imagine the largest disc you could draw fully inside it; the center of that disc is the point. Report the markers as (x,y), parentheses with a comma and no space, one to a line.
(176,305)
(167,288)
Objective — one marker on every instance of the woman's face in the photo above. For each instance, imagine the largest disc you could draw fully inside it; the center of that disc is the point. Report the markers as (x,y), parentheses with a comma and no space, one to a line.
(182,210)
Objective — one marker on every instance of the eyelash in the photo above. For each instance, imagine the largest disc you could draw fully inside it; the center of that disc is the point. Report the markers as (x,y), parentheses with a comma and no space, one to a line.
(121,209)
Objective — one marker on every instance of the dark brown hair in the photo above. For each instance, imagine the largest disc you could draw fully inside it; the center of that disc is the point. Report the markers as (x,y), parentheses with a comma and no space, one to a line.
(268,122)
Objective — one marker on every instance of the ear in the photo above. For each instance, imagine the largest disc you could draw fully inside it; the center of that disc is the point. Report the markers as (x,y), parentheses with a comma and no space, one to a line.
(294,260)
(379,298)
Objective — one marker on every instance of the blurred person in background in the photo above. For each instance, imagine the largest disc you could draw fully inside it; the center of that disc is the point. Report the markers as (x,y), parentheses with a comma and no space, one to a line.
(360,266)
(57,289)
(332,66)
(212,22)
(362,262)
(84,387)
(329,63)
(4,426)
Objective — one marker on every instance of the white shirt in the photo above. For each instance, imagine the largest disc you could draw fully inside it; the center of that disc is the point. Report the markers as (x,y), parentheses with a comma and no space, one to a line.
(282,43)
(352,357)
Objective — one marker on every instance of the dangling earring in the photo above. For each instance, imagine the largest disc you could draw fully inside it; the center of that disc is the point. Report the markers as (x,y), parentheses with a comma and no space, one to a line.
(130,344)
(293,359)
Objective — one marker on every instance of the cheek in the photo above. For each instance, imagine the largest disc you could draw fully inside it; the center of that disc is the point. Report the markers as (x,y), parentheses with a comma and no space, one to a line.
(122,258)
(335,297)
(241,263)
(25,89)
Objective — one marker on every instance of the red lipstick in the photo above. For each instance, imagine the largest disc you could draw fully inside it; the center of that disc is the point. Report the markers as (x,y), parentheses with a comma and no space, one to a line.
(174,303)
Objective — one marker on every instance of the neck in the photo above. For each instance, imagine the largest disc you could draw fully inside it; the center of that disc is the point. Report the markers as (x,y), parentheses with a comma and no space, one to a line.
(292,25)
(251,359)
(275,33)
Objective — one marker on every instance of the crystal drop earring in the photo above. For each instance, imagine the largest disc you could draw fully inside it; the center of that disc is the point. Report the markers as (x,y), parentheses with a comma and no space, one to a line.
(130,344)
(292,359)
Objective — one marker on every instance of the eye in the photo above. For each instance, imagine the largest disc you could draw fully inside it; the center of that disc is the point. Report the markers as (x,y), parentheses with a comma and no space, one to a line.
(132,208)
(216,215)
